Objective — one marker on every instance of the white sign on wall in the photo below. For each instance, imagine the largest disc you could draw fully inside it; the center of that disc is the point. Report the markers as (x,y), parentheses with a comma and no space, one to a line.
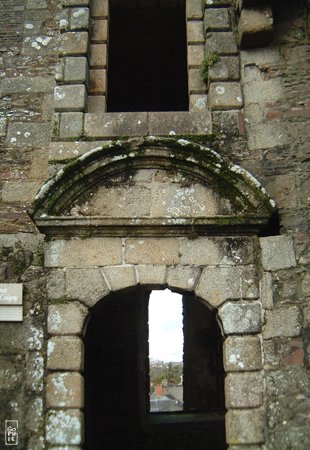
(11,302)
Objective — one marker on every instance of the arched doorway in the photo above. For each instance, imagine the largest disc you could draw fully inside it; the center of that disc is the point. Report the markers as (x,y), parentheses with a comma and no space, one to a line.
(117,409)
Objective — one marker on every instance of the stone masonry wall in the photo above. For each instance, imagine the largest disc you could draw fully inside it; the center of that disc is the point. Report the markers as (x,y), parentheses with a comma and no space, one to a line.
(267,134)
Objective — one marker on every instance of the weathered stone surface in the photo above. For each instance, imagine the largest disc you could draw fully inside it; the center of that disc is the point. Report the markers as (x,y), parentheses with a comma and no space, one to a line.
(70,97)
(217,3)
(64,427)
(195,33)
(3,126)
(195,55)
(170,123)
(66,318)
(75,2)
(245,426)
(21,134)
(74,43)
(283,352)
(65,353)
(294,381)
(225,96)
(75,69)
(97,82)
(239,4)
(283,190)
(30,334)
(218,284)
(26,85)
(120,277)
(225,69)
(11,372)
(217,19)
(198,102)
(244,390)
(200,252)
(55,284)
(98,56)
(64,389)
(242,317)
(36,442)
(126,200)
(36,4)
(249,283)
(228,122)
(194,9)
(277,252)
(238,251)
(115,124)
(264,136)
(255,27)
(35,371)
(285,321)
(35,414)
(152,251)
(71,125)
(20,191)
(175,200)
(79,18)
(99,8)
(99,31)
(222,43)
(96,104)
(242,353)
(195,82)
(72,447)
(244,447)
(152,275)
(182,277)
(259,90)
(267,291)
(260,56)
(83,252)
(87,285)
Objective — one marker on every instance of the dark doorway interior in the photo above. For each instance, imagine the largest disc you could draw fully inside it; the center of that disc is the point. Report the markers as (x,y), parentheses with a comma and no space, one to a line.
(147,65)
(117,379)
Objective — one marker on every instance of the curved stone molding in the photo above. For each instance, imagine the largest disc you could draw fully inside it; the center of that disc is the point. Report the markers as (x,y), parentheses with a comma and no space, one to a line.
(250,207)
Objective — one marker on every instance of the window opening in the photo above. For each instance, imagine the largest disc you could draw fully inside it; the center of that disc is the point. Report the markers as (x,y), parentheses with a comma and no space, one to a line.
(147,67)
(116,372)
(166,351)
(185,355)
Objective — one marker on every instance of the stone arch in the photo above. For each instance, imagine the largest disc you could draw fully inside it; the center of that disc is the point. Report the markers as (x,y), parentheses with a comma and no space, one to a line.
(250,207)
(241,326)
(214,256)
(117,375)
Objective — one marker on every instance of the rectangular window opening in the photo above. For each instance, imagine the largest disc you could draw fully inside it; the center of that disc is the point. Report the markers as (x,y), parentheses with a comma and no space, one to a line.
(166,351)
(147,64)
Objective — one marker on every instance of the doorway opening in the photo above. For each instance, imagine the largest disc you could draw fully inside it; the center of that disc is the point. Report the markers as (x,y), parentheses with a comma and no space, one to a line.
(166,341)
(147,68)
(117,379)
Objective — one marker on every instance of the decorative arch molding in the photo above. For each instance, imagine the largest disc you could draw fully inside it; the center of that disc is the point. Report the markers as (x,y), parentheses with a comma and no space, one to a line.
(250,206)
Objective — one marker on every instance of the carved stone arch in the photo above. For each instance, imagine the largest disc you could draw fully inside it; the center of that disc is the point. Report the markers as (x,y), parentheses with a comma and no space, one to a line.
(242,203)
(212,253)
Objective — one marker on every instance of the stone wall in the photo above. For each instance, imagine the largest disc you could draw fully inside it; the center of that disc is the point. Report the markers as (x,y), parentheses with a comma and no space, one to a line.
(258,112)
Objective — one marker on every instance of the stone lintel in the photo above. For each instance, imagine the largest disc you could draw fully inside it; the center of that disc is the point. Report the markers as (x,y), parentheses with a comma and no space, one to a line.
(143,123)
(216,226)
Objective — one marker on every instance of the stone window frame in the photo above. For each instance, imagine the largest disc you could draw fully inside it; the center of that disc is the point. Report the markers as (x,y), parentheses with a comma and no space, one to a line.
(243,364)
(79,97)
